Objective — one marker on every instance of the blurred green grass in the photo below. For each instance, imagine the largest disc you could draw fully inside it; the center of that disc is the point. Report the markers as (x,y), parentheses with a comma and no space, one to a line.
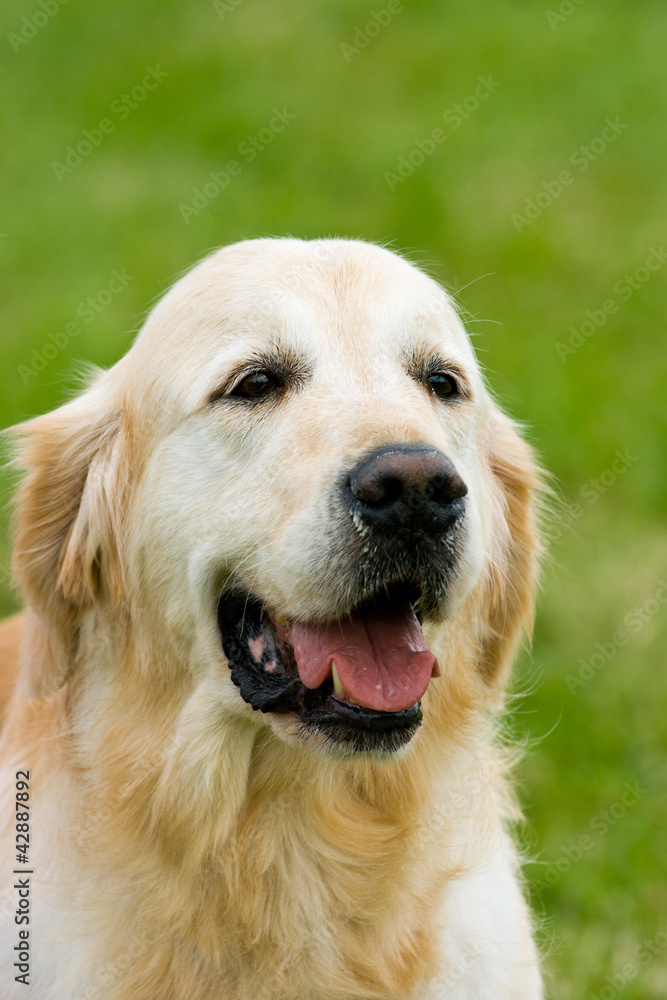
(523,291)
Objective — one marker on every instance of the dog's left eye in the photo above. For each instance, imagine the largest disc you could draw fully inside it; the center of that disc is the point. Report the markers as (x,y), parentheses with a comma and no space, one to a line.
(442,385)
(256,384)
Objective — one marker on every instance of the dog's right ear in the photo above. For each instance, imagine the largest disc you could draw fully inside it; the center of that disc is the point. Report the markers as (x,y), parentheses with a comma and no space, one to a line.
(68,512)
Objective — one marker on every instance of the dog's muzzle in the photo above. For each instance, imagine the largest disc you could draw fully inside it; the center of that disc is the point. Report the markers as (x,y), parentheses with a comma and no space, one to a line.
(358,675)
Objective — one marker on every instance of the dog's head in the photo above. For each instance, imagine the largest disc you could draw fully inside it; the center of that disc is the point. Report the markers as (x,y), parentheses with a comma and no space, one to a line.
(296,487)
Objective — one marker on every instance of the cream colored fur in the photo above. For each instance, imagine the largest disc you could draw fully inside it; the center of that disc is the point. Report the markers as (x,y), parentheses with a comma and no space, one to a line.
(184,847)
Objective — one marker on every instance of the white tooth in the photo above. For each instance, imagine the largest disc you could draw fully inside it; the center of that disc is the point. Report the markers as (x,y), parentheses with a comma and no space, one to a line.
(337,682)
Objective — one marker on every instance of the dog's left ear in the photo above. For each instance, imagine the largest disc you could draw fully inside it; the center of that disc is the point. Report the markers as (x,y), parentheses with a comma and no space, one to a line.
(509,589)
(67,522)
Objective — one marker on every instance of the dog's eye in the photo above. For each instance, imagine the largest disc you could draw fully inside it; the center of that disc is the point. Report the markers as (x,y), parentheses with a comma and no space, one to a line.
(256,384)
(442,385)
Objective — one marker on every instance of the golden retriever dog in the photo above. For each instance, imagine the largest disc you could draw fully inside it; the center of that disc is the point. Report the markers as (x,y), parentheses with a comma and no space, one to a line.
(276,563)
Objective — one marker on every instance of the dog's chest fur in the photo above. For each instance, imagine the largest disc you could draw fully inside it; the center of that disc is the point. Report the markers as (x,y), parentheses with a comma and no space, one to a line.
(327,883)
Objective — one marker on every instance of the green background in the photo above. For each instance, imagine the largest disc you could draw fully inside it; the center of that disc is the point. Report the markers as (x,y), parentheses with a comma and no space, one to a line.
(557,78)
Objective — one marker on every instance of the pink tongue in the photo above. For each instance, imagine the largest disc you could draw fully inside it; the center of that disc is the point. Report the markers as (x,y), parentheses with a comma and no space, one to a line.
(381,657)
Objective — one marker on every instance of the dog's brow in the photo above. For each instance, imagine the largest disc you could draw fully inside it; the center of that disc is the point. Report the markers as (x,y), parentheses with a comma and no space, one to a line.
(417,357)
(422,360)
(287,357)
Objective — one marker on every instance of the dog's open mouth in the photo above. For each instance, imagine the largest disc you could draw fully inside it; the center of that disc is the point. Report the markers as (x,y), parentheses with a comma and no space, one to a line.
(359,680)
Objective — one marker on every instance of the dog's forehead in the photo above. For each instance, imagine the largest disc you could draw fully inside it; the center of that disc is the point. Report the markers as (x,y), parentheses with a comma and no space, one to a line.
(333,300)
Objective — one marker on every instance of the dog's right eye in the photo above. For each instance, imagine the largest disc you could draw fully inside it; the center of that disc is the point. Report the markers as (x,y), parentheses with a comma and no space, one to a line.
(256,384)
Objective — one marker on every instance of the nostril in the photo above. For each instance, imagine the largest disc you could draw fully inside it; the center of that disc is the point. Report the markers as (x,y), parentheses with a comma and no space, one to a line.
(376,489)
(444,489)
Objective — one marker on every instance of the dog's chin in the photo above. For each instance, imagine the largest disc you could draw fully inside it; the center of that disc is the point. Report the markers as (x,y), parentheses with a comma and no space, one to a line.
(323,717)
(335,740)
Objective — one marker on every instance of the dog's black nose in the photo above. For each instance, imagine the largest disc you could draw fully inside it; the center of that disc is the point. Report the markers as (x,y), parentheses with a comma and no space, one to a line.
(411,486)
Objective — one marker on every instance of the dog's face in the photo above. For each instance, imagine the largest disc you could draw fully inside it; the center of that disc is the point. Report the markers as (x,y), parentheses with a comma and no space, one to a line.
(312,474)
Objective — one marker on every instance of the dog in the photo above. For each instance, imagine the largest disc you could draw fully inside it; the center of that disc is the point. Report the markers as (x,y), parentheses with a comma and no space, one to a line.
(276,563)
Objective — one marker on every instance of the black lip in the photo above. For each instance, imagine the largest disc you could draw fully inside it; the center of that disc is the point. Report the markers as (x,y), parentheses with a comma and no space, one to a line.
(240,618)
